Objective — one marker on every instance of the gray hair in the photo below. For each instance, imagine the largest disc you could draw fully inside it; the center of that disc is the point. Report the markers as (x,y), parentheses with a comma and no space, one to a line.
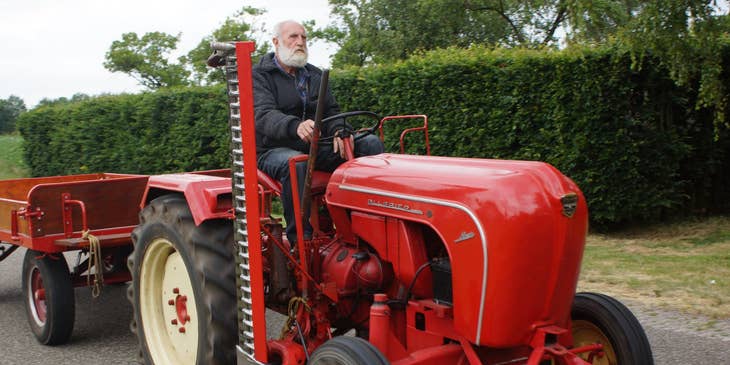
(279,25)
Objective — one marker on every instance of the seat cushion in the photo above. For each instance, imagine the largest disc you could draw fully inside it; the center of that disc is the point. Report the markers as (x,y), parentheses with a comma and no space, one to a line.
(319,182)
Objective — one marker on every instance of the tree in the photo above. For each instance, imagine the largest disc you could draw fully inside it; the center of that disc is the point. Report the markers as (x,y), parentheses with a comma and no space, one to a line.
(377,31)
(373,31)
(535,23)
(10,109)
(63,100)
(146,59)
(688,37)
(243,25)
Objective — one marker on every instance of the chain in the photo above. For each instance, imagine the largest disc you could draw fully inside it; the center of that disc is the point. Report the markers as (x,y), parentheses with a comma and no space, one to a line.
(294,304)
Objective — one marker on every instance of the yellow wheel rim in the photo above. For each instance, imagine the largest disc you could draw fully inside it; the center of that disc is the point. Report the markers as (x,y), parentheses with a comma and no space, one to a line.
(586,333)
(167,306)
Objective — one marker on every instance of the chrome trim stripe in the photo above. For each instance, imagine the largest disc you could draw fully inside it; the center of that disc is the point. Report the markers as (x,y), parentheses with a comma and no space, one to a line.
(446,204)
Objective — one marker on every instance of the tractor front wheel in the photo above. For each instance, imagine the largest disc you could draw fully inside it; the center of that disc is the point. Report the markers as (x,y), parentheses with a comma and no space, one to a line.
(598,318)
(49,297)
(183,287)
(344,350)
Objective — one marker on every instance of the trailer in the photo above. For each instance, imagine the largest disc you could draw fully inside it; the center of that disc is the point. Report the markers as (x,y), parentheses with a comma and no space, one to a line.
(91,215)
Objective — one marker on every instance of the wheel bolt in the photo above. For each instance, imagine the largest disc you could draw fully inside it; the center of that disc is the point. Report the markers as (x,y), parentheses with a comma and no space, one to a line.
(174,322)
(181,330)
(171,302)
(187,318)
(176,290)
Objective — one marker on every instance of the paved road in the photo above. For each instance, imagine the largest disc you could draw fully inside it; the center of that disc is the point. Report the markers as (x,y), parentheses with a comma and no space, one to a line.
(101,334)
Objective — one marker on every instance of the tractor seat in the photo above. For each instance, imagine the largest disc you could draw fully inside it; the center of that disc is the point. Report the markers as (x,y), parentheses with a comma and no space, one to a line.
(319,182)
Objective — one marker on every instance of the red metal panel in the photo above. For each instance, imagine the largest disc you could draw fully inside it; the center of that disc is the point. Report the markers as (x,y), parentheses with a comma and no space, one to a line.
(512,250)
(201,191)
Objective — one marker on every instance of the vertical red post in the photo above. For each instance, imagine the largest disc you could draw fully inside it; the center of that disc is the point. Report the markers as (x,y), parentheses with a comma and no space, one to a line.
(380,323)
(248,139)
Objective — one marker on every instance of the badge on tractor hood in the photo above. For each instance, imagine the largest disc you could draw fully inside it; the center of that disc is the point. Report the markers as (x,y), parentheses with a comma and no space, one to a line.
(464,236)
(395,206)
(570,204)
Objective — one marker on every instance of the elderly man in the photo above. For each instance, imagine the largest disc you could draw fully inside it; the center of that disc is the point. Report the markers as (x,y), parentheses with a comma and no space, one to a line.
(285,91)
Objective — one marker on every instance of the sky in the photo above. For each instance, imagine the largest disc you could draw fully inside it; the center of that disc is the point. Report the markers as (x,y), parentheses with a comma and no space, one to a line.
(52,49)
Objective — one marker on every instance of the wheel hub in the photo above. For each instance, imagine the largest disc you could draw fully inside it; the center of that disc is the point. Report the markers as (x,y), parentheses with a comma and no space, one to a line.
(586,333)
(38,297)
(181,309)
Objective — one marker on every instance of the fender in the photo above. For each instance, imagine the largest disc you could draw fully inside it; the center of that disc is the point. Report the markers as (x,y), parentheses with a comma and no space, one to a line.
(208,193)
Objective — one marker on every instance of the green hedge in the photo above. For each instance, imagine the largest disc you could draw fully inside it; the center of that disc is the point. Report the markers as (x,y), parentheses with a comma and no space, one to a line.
(633,140)
(166,131)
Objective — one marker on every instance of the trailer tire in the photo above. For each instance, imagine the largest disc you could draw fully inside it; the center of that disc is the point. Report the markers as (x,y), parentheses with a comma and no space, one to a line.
(345,350)
(601,318)
(183,287)
(49,297)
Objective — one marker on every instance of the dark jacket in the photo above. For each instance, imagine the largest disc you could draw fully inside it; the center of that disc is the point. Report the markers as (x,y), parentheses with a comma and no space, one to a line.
(278,108)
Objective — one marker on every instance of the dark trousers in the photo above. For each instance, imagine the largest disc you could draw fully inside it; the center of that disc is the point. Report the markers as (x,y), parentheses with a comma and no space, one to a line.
(275,163)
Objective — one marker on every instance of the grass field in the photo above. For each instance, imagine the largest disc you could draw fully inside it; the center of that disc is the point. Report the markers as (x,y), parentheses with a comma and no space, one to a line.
(682,266)
(11,157)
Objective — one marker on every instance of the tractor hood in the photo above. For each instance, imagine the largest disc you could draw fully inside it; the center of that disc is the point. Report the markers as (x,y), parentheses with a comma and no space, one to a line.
(514,231)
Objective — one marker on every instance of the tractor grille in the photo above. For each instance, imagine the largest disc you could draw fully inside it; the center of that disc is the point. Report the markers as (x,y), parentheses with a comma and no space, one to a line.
(442,292)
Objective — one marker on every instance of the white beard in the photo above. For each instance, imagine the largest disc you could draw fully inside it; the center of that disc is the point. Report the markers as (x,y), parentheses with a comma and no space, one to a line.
(290,57)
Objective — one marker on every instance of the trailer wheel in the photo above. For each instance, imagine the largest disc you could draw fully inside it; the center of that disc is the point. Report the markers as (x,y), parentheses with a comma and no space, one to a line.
(183,287)
(598,318)
(345,350)
(49,297)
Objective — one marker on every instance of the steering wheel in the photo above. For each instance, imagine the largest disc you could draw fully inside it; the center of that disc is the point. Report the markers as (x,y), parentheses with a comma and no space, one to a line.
(359,133)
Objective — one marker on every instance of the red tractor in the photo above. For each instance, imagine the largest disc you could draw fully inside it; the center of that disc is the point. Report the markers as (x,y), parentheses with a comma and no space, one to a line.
(414,260)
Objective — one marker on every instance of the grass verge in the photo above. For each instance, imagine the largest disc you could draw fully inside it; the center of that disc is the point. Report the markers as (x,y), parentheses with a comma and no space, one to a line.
(11,157)
(681,266)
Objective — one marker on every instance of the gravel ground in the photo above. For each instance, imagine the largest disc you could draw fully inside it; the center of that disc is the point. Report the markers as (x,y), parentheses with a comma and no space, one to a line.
(682,339)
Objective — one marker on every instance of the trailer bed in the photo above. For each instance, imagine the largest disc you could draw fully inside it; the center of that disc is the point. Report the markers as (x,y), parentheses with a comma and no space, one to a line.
(49,214)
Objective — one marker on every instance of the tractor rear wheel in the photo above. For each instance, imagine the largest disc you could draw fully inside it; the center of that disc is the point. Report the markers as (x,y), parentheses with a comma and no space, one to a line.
(345,350)
(49,297)
(183,287)
(598,318)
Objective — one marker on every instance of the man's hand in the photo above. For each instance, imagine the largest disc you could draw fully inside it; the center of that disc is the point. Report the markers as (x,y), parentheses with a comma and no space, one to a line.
(339,145)
(305,130)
